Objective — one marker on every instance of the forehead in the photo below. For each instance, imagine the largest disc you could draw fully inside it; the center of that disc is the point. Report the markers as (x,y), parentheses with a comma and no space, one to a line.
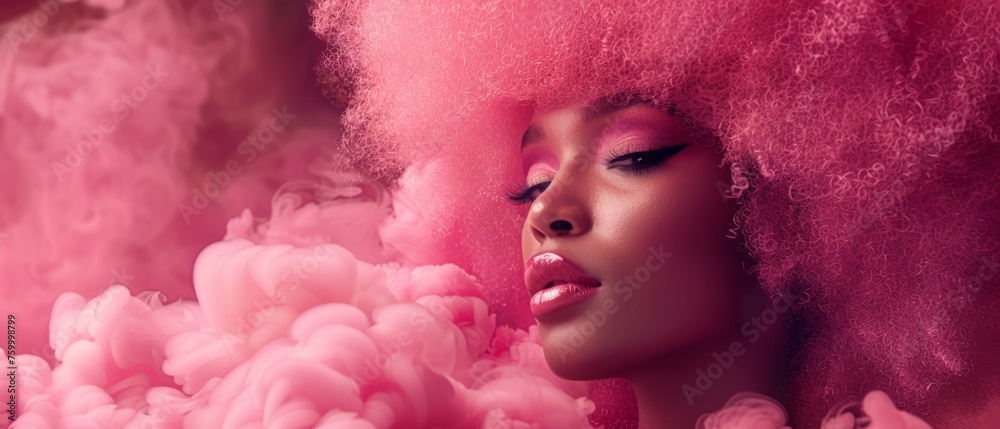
(582,111)
(588,109)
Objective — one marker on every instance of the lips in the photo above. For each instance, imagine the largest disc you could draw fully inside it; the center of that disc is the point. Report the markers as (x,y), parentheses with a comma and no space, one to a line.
(548,269)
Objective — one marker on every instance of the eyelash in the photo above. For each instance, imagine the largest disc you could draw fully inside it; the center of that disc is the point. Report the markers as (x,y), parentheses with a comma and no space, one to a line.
(523,194)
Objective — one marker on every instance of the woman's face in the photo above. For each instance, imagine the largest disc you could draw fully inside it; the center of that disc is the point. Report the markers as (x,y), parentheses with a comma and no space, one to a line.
(626,196)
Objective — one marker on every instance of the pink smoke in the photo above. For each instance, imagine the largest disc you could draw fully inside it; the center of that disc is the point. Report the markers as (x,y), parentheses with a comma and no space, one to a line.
(174,261)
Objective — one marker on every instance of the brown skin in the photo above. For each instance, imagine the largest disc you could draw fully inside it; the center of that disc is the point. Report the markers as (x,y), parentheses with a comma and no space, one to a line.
(606,219)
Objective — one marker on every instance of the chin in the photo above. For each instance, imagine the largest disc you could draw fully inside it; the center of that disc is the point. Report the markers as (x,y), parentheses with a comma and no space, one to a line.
(590,361)
(578,366)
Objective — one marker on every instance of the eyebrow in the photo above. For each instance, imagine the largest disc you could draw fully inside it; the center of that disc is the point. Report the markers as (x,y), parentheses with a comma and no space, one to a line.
(593,110)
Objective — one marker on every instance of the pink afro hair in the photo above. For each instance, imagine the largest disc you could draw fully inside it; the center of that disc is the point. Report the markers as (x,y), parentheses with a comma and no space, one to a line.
(861,135)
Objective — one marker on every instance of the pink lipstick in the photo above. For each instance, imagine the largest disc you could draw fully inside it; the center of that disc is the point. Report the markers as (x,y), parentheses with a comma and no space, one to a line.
(555,282)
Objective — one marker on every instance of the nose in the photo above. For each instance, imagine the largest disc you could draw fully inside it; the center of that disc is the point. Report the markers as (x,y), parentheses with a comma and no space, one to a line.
(559,211)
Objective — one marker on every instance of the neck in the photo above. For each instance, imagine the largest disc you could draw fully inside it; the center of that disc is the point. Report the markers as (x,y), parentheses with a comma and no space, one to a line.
(672,393)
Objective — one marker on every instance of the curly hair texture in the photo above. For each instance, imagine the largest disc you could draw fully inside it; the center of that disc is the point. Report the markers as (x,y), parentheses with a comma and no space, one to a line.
(861,136)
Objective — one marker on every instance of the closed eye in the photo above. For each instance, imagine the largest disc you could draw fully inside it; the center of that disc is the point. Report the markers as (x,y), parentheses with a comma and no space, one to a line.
(637,162)
(524,194)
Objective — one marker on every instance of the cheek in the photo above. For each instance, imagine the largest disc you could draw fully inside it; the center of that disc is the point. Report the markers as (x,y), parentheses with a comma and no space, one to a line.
(695,293)
(681,210)
(526,242)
